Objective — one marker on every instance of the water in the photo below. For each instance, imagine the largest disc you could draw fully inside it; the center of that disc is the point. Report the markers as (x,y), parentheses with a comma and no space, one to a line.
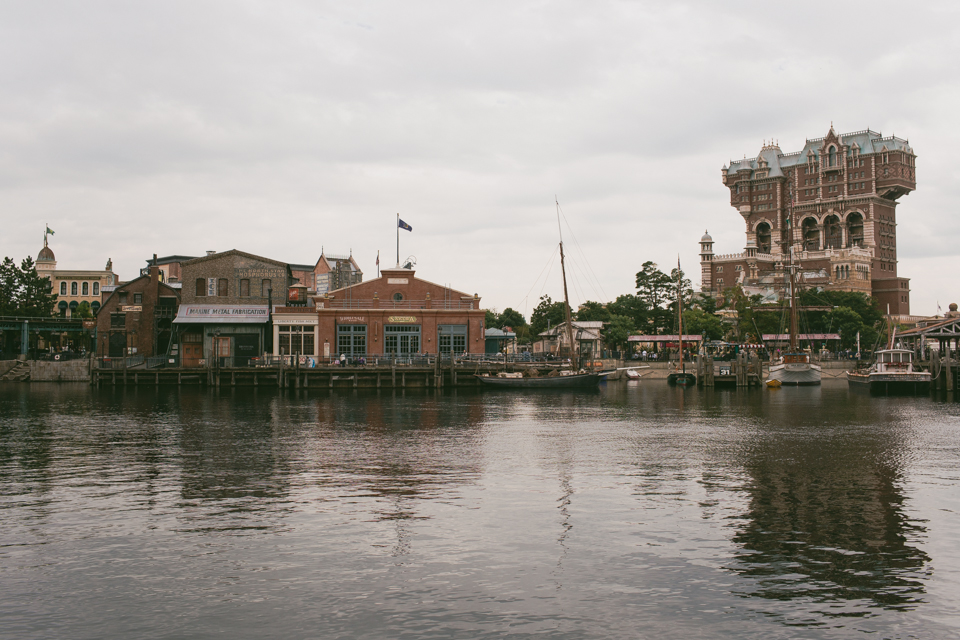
(640,511)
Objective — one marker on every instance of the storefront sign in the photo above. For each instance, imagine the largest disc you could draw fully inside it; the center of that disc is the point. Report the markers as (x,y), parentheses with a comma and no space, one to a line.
(89,324)
(205,313)
(398,281)
(132,307)
(261,273)
(282,320)
(399,319)
(351,320)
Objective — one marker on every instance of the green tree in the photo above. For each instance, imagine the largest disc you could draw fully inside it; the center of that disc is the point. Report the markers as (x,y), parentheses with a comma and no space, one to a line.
(547,311)
(512,319)
(847,323)
(617,330)
(491,320)
(36,297)
(9,287)
(83,311)
(653,285)
(633,307)
(593,311)
(699,322)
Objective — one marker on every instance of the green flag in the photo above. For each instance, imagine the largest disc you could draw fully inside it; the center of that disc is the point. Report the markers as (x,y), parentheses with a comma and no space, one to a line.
(49,230)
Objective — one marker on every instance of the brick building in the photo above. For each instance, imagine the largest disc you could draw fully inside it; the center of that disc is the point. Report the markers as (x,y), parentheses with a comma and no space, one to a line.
(73,286)
(396,314)
(225,306)
(170,269)
(834,202)
(329,273)
(137,317)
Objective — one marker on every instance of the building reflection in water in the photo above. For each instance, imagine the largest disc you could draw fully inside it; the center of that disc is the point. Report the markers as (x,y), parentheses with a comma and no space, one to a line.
(825,519)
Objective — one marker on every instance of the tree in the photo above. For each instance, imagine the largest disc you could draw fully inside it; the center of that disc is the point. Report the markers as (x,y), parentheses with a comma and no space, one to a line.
(699,322)
(547,311)
(653,285)
(9,287)
(631,306)
(83,311)
(512,319)
(491,320)
(847,323)
(617,330)
(593,311)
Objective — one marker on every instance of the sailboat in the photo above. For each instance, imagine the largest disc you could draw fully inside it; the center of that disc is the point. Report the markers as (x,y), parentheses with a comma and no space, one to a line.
(566,379)
(681,377)
(795,367)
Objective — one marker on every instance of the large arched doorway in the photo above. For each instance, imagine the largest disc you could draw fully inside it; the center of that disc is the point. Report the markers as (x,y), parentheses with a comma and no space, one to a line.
(763,237)
(855,229)
(833,235)
(811,235)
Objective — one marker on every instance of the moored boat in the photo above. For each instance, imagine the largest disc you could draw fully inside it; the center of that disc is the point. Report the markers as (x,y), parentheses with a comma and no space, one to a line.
(569,381)
(891,373)
(795,367)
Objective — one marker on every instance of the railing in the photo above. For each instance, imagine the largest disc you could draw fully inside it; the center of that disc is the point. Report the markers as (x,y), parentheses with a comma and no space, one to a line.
(371,303)
(160,362)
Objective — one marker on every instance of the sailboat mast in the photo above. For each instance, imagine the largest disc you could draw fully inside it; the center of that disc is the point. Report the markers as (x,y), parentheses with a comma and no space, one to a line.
(566,298)
(683,366)
(793,305)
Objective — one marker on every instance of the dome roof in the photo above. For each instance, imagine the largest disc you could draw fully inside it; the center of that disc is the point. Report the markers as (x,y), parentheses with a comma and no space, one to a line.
(706,237)
(46,255)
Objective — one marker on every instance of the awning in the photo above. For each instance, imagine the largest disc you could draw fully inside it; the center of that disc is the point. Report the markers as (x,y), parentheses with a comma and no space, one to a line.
(221,314)
(673,338)
(767,337)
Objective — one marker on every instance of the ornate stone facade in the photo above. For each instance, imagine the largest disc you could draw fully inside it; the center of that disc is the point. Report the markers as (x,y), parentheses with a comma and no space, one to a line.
(833,203)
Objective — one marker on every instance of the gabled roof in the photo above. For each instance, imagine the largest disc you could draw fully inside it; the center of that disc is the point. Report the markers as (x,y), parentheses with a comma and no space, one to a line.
(236,252)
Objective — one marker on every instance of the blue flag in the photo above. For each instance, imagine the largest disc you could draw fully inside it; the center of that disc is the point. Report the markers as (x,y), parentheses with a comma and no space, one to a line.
(404,225)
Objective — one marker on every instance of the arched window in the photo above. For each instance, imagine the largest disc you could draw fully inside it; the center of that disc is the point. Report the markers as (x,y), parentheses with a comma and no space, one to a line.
(85,288)
(855,230)
(73,288)
(763,237)
(222,287)
(833,156)
(96,288)
(201,287)
(63,288)
(811,235)
(833,233)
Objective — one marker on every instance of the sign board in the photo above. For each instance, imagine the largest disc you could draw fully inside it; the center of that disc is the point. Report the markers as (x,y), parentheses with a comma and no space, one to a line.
(398,281)
(226,314)
(399,319)
(257,272)
(293,294)
(131,307)
(89,324)
(277,319)
(351,320)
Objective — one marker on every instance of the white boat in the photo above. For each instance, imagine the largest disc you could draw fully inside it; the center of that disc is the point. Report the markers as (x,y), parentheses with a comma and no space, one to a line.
(795,367)
(891,373)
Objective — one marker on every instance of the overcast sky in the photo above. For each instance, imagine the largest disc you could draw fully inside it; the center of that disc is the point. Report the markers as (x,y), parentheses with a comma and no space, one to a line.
(277,127)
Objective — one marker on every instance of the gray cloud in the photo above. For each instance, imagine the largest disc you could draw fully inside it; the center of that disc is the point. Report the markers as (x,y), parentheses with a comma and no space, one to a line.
(281,127)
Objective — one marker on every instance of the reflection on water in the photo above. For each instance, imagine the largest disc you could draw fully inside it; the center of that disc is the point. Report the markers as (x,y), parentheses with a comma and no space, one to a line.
(639,508)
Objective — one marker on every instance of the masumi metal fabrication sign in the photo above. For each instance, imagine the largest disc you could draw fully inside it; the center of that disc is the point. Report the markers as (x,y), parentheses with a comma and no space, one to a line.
(221,313)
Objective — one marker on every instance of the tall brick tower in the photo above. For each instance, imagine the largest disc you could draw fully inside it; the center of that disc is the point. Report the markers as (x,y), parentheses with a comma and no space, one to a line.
(833,203)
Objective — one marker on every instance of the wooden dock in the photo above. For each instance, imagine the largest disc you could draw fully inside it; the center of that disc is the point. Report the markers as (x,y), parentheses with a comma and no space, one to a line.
(327,377)
(744,371)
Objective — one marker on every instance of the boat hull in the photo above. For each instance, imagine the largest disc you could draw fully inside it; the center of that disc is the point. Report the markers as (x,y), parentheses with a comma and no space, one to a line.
(579,381)
(682,379)
(914,383)
(795,374)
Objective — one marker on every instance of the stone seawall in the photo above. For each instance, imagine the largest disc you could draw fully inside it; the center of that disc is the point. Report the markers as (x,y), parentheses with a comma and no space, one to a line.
(6,365)
(71,371)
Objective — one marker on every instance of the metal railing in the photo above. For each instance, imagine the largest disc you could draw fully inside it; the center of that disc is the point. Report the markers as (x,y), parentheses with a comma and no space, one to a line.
(119,362)
(370,303)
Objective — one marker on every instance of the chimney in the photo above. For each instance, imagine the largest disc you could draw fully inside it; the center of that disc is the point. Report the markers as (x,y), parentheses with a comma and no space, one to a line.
(154,270)
(210,253)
